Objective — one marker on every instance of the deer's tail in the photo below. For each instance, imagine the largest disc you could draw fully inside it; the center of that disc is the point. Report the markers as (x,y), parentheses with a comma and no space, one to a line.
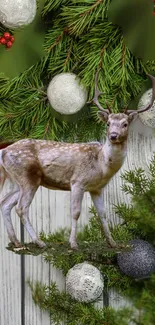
(3,174)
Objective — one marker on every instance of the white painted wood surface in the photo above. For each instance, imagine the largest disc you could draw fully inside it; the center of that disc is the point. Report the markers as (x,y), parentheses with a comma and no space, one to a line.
(50,211)
(10,276)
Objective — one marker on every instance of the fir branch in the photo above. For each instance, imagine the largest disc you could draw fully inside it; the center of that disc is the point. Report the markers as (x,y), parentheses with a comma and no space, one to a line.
(24,99)
(141,187)
(83,16)
(62,307)
(53,5)
(138,181)
(87,12)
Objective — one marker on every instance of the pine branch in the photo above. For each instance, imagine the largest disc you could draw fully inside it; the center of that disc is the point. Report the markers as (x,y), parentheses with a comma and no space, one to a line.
(82,17)
(62,307)
(54,5)
(140,214)
(68,48)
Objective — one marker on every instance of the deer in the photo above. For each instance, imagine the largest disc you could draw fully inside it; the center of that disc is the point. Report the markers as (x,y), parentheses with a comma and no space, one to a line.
(74,167)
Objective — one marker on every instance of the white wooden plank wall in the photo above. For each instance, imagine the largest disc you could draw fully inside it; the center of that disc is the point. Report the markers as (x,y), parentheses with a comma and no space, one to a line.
(50,211)
(10,276)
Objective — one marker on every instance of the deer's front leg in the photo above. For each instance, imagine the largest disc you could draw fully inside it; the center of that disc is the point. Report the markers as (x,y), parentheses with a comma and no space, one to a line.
(76,200)
(98,201)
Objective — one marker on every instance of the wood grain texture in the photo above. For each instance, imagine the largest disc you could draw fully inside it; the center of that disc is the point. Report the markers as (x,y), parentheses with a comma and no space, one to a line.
(10,274)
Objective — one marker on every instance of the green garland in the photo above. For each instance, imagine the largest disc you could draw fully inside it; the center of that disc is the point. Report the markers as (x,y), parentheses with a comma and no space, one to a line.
(79,39)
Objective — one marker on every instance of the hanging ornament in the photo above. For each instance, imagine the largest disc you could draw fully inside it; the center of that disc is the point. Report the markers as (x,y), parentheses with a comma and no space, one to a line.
(148,117)
(138,263)
(137,20)
(17,13)
(84,282)
(65,93)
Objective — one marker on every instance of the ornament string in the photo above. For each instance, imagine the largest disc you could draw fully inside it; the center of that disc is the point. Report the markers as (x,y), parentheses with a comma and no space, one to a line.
(105,291)
(154,7)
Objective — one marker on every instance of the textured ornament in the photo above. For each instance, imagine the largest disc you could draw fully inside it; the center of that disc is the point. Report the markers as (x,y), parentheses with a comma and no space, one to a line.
(65,93)
(148,117)
(138,263)
(17,13)
(84,282)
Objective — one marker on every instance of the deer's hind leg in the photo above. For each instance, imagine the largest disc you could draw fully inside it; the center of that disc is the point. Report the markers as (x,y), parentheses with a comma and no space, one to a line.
(26,196)
(6,205)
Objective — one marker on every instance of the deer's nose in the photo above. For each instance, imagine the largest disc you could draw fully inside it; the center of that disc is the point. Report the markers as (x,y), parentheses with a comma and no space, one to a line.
(113,136)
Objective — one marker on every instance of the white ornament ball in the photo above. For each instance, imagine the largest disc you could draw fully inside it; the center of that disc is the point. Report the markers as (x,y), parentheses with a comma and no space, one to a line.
(65,93)
(16,13)
(84,282)
(148,117)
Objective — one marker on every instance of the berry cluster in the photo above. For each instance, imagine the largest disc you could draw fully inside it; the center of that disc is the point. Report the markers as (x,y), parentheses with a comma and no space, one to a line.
(7,39)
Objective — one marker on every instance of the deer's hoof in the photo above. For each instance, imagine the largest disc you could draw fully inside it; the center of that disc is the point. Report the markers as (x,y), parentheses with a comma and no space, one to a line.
(40,243)
(113,244)
(17,244)
(118,245)
(74,245)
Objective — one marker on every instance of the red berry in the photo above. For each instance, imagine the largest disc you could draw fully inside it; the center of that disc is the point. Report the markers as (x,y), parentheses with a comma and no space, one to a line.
(6,35)
(9,44)
(3,40)
(12,39)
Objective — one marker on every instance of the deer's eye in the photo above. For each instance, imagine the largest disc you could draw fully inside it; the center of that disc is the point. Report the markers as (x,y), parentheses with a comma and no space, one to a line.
(108,124)
(125,125)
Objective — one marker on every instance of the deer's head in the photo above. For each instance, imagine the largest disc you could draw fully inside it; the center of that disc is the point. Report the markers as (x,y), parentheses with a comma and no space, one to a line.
(118,124)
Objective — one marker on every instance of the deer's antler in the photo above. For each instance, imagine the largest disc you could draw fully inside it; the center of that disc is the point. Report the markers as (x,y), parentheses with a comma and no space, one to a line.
(96,96)
(128,112)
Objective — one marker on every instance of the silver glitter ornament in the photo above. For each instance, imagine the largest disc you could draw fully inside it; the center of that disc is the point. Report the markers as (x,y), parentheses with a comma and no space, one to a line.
(138,263)
(65,93)
(17,13)
(148,117)
(84,282)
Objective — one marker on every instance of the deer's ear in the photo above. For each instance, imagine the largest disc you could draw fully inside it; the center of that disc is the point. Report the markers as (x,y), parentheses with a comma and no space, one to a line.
(103,116)
(132,116)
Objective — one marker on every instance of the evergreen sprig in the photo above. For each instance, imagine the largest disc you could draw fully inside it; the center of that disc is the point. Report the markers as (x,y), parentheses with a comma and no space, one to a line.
(141,186)
(79,39)
(62,308)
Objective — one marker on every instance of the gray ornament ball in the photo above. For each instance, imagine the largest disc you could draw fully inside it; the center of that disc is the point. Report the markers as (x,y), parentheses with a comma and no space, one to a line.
(17,13)
(65,93)
(84,282)
(148,117)
(138,263)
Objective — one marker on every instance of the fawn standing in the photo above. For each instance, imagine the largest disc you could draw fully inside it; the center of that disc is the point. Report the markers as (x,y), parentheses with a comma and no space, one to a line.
(75,167)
